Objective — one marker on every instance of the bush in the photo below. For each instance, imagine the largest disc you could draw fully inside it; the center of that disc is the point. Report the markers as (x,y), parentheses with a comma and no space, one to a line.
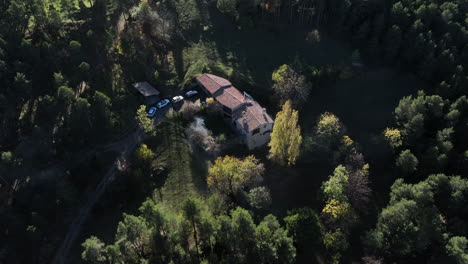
(313,36)
(188,110)
(213,108)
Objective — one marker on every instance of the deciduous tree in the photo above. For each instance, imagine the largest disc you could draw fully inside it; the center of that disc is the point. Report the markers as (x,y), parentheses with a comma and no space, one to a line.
(329,129)
(229,174)
(305,226)
(145,123)
(393,137)
(289,85)
(286,136)
(259,197)
(335,187)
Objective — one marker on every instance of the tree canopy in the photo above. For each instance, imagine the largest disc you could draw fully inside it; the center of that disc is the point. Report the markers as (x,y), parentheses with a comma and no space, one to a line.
(286,136)
(228,175)
(289,85)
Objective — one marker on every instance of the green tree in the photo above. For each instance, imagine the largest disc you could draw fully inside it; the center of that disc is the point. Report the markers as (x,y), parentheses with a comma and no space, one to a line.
(286,136)
(273,245)
(399,230)
(259,197)
(59,80)
(75,46)
(84,68)
(145,123)
(143,154)
(133,237)
(457,247)
(335,187)
(192,211)
(289,85)
(329,129)
(65,95)
(407,162)
(22,86)
(244,226)
(94,251)
(80,122)
(336,242)
(101,112)
(305,226)
(411,223)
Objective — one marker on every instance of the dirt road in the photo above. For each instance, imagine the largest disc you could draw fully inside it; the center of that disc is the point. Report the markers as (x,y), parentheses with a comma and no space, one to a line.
(125,147)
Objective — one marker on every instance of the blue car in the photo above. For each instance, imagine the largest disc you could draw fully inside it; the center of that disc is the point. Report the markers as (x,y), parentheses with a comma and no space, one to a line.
(191,93)
(152,111)
(163,103)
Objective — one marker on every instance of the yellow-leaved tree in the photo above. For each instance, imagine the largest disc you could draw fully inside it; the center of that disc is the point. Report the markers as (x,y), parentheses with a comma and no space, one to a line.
(393,137)
(145,122)
(230,174)
(286,139)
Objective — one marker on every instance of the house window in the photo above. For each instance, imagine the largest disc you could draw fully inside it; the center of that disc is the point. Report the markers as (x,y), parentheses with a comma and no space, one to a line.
(255,131)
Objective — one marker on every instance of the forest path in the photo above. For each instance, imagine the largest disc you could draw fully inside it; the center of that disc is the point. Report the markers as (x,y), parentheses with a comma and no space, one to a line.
(126,149)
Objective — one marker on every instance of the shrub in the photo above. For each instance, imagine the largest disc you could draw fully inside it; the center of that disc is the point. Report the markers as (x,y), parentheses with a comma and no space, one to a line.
(188,110)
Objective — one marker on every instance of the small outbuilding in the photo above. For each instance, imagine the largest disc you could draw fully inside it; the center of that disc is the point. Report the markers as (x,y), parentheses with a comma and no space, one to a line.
(150,93)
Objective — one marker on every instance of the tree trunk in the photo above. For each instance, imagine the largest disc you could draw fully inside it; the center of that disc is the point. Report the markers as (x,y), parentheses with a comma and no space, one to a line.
(195,237)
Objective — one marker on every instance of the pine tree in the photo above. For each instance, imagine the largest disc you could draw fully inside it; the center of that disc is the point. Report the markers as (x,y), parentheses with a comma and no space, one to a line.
(286,137)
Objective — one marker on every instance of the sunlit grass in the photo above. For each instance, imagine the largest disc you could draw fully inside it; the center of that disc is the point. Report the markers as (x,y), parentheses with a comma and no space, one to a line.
(176,154)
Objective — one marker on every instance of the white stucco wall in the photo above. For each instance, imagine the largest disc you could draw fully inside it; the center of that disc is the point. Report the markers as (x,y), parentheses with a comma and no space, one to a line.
(261,138)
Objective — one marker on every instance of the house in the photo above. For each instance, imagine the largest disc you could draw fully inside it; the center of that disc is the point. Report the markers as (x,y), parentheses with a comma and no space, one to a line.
(250,120)
(149,92)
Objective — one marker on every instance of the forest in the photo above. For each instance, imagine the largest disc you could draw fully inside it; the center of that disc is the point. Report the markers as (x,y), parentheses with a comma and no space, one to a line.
(367,160)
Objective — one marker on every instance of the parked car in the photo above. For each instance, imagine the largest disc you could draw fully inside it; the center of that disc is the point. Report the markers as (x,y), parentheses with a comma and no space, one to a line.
(163,103)
(177,98)
(191,93)
(152,111)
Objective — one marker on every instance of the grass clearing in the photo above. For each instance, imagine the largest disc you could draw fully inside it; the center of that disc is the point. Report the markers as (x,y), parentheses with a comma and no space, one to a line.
(186,168)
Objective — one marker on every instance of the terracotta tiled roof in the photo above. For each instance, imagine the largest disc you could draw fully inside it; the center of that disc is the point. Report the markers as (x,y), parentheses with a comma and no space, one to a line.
(229,97)
(251,115)
(212,82)
(248,113)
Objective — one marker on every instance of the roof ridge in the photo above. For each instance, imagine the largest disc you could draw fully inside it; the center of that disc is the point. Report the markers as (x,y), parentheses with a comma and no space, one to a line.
(208,75)
(224,89)
(253,113)
(221,86)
